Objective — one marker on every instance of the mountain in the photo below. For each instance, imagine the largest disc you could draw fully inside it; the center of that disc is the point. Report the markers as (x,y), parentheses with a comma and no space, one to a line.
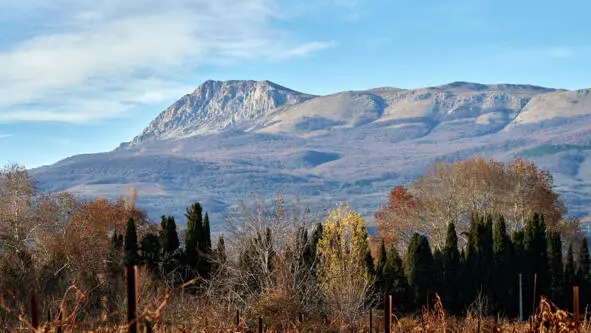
(229,141)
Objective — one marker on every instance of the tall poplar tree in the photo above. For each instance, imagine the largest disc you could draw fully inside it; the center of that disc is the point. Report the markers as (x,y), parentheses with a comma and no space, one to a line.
(131,245)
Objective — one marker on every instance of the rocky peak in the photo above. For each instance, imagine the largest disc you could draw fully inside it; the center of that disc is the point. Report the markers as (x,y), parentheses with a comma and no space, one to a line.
(217,105)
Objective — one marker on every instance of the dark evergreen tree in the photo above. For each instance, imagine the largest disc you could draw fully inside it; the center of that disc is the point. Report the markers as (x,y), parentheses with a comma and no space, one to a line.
(169,238)
(394,273)
(419,261)
(472,271)
(150,248)
(221,250)
(555,267)
(569,275)
(381,282)
(206,234)
(193,236)
(131,245)
(583,274)
(504,279)
(536,256)
(451,279)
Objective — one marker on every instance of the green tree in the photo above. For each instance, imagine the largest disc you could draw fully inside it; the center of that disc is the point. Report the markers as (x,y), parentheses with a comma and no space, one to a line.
(556,268)
(169,238)
(115,271)
(206,234)
(150,248)
(505,276)
(193,235)
(419,261)
(583,274)
(569,275)
(536,257)
(451,272)
(131,245)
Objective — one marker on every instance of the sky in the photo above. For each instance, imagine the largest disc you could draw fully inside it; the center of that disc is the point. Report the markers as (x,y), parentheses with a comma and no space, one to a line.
(82,76)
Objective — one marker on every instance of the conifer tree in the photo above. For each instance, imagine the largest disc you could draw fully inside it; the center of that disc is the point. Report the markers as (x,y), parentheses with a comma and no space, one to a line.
(536,255)
(169,237)
(555,267)
(394,272)
(419,261)
(472,260)
(221,249)
(382,283)
(451,272)
(504,277)
(583,274)
(150,248)
(569,275)
(206,233)
(131,245)
(193,235)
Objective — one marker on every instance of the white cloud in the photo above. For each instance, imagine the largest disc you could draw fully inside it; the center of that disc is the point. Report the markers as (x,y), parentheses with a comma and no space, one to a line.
(94,60)
(5,136)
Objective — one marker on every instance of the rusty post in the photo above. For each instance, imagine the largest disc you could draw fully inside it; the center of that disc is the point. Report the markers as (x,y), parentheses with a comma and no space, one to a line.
(576,302)
(34,309)
(370,320)
(260,325)
(132,299)
(387,313)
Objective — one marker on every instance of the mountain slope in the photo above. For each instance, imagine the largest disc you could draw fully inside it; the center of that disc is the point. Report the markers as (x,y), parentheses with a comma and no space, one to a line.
(228,141)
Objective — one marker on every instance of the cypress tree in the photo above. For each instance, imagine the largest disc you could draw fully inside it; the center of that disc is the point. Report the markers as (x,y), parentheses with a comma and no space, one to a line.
(451,272)
(419,261)
(131,245)
(221,250)
(504,277)
(472,262)
(398,284)
(555,267)
(583,273)
(193,235)
(382,283)
(569,275)
(169,238)
(486,257)
(536,255)
(150,248)
(206,233)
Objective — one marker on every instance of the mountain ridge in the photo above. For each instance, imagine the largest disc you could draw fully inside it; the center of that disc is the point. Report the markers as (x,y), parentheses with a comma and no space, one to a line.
(227,139)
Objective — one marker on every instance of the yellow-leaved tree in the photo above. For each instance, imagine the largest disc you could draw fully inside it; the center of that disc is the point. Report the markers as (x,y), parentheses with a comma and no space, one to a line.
(343,272)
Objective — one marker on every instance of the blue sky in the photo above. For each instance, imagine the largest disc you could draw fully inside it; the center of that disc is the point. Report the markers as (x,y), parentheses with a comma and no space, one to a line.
(81,76)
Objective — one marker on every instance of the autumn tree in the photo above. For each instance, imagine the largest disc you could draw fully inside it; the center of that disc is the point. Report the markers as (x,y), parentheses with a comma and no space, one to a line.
(342,273)
(451,192)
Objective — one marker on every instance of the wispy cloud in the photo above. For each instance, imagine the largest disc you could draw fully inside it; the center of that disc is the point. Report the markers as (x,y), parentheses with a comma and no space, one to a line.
(96,60)
(4,136)
(550,53)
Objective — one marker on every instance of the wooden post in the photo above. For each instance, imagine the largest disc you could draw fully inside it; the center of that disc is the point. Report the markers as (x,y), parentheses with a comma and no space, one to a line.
(370,320)
(301,318)
(237,322)
(387,313)
(576,302)
(132,299)
(34,309)
(260,325)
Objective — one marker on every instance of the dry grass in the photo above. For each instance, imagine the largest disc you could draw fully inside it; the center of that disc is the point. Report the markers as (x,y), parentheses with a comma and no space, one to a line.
(178,312)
